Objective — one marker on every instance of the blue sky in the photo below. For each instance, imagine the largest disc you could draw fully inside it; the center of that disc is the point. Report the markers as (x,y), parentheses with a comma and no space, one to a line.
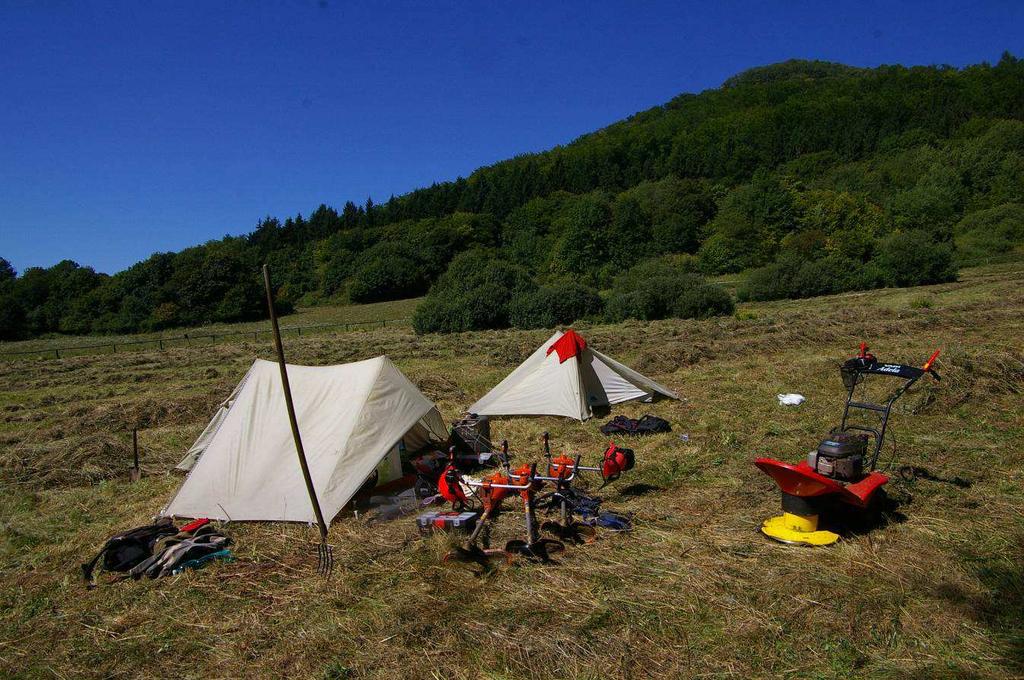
(133,127)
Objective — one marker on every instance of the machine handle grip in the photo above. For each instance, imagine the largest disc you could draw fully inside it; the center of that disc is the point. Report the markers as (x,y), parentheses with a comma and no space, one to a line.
(928,364)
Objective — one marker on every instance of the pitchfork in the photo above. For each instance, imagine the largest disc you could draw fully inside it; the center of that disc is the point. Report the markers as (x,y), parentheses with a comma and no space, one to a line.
(324,558)
(324,552)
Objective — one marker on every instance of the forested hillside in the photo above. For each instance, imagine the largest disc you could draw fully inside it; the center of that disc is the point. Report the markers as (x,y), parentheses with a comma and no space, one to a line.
(807,177)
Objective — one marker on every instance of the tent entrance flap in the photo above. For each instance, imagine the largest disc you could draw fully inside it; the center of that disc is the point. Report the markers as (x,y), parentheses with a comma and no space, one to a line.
(351,416)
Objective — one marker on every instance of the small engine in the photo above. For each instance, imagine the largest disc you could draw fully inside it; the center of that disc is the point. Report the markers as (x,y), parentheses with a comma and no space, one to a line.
(840,456)
(474,432)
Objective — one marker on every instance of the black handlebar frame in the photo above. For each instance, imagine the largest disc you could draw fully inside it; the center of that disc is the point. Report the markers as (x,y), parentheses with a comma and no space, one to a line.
(909,374)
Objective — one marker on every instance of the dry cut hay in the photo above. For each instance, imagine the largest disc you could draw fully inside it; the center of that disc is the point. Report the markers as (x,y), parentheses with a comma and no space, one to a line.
(70,461)
(91,442)
(440,388)
(979,373)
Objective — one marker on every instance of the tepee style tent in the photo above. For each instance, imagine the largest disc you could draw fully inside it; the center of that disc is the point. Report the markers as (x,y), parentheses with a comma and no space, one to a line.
(351,417)
(565,377)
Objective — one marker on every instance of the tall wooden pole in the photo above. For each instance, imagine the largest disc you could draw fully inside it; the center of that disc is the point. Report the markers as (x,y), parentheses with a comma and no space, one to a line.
(291,406)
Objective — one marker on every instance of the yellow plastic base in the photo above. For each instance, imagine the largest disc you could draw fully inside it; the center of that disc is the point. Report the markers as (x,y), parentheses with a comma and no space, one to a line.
(790,528)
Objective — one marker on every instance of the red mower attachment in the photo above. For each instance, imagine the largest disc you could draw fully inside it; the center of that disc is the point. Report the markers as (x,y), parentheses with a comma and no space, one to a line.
(800,480)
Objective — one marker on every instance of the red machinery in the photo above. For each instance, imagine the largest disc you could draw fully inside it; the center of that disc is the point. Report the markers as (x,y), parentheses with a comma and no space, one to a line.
(840,470)
(528,483)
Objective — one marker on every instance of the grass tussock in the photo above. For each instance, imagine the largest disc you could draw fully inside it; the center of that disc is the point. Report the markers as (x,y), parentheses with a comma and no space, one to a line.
(694,591)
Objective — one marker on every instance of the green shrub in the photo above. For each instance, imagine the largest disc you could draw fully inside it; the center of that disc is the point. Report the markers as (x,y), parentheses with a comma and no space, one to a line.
(12,319)
(834,273)
(792,277)
(909,258)
(722,254)
(662,288)
(479,308)
(475,293)
(166,315)
(986,234)
(389,271)
(438,315)
(245,301)
(702,302)
(553,305)
(912,258)
(771,282)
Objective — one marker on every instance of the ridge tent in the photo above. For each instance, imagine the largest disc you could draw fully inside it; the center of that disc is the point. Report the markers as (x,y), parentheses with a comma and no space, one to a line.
(200,444)
(565,377)
(351,418)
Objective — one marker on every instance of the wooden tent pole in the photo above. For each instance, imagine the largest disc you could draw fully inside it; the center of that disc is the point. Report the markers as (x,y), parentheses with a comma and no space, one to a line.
(291,406)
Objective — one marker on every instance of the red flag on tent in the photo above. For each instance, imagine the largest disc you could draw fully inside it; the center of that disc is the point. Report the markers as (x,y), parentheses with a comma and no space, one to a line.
(569,345)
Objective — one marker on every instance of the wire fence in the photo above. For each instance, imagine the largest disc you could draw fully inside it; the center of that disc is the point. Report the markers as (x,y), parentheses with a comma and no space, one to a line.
(187,340)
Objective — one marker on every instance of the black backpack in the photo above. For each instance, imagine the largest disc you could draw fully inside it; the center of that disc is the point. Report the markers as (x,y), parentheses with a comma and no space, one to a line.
(651,424)
(125,550)
(618,425)
(647,425)
(181,549)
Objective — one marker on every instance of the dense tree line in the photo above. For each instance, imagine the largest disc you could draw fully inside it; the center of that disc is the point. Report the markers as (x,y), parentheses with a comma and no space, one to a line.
(809,177)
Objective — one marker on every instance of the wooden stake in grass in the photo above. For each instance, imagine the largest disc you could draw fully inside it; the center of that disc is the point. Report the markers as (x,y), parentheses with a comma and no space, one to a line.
(136,473)
(325,554)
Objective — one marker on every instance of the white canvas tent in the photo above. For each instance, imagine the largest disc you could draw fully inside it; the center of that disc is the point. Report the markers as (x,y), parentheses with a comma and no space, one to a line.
(565,377)
(351,416)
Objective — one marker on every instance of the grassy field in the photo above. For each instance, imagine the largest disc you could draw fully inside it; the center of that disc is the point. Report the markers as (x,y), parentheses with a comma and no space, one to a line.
(693,591)
(305,317)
